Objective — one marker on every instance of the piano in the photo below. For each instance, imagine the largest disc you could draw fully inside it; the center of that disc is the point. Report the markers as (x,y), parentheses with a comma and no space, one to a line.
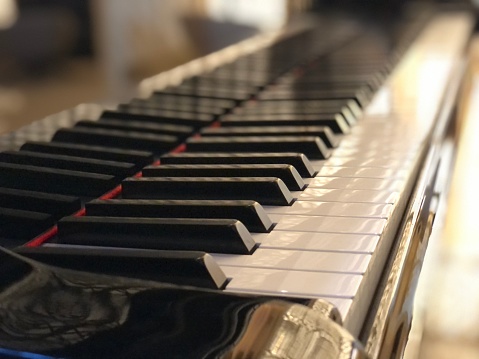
(273,199)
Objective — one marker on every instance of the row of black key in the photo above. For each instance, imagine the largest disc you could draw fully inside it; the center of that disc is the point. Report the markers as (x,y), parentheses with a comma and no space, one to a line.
(226,175)
(93,157)
(209,198)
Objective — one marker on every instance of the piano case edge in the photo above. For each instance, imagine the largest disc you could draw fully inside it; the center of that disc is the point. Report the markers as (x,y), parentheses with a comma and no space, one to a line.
(389,321)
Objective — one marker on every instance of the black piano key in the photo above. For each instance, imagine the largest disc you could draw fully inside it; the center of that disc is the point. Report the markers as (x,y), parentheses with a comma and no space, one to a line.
(368,86)
(117,139)
(312,147)
(220,83)
(178,267)
(182,99)
(158,116)
(56,205)
(50,180)
(336,123)
(302,106)
(349,70)
(25,225)
(140,158)
(294,112)
(250,213)
(313,79)
(298,160)
(117,169)
(344,82)
(139,106)
(267,190)
(329,105)
(207,235)
(286,173)
(240,76)
(165,129)
(325,133)
(361,94)
(361,97)
(263,70)
(237,95)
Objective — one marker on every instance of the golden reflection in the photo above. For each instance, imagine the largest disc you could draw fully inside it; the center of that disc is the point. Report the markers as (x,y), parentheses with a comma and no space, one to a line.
(454,311)
(462,230)
(279,330)
(450,291)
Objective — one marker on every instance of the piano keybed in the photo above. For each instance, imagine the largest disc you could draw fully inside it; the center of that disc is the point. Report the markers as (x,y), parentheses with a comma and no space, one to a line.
(292,174)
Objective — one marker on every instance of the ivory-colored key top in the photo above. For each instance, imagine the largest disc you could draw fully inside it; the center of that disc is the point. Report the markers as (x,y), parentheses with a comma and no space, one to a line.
(298,283)
(353,263)
(356,183)
(374,152)
(329,224)
(318,208)
(308,241)
(359,172)
(392,162)
(348,195)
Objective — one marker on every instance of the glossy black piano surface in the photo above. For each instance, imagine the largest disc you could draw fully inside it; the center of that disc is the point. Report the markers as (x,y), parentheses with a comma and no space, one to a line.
(47,312)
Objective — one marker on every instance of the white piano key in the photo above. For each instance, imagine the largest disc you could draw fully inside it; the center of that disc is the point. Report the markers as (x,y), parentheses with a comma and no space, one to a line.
(296,194)
(372,152)
(376,140)
(402,164)
(379,136)
(316,285)
(307,181)
(381,124)
(384,125)
(317,208)
(356,183)
(231,272)
(302,284)
(385,144)
(309,241)
(393,163)
(380,131)
(340,262)
(328,224)
(358,172)
(348,195)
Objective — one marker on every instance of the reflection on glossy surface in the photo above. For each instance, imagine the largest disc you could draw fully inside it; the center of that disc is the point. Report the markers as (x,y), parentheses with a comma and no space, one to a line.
(301,333)
(68,314)
(72,314)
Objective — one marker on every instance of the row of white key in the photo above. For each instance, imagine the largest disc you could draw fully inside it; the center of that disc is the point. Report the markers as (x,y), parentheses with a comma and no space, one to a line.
(322,245)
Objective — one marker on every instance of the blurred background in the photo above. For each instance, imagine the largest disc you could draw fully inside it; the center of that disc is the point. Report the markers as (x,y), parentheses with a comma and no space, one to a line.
(55,54)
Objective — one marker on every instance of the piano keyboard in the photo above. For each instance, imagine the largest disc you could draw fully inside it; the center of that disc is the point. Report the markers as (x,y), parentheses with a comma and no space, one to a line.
(292,173)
